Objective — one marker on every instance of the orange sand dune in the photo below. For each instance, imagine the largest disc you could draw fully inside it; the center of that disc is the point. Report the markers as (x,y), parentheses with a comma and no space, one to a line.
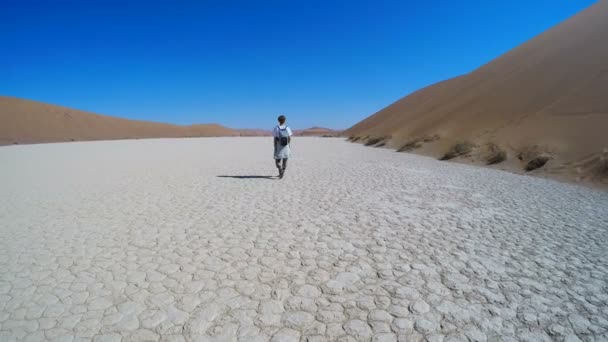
(547,97)
(25,122)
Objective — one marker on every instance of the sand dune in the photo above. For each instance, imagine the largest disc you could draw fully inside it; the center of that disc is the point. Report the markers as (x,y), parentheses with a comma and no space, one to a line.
(545,98)
(249,132)
(317,132)
(25,121)
(308,132)
(173,240)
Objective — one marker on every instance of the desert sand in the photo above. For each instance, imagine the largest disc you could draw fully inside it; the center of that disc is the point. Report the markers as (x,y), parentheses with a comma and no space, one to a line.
(191,240)
(544,99)
(27,122)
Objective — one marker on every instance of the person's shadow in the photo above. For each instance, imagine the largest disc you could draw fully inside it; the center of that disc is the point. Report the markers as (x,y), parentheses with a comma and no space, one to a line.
(249,177)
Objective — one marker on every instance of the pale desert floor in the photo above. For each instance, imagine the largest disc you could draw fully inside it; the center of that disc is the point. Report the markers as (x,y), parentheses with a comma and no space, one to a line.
(145,240)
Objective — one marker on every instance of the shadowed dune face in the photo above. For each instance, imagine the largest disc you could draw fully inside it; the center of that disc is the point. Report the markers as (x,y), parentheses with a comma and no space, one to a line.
(24,122)
(548,94)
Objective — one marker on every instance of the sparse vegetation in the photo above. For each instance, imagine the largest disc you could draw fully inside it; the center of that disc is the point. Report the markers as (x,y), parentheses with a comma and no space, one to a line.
(496,155)
(458,149)
(417,143)
(376,141)
(372,141)
(537,162)
(411,145)
(603,166)
(531,152)
(429,138)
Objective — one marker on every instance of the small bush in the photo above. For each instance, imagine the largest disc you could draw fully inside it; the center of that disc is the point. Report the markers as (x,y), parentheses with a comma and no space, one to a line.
(429,138)
(536,163)
(354,139)
(459,149)
(376,141)
(496,155)
(603,166)
(411,145)
(372,141)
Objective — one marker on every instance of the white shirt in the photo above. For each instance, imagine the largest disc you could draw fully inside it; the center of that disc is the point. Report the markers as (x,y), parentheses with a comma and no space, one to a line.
(275,132)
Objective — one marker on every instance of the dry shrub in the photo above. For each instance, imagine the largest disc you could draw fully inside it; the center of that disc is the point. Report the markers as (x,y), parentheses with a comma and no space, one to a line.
(458,149)
(537,162)
(531,152)
(376,141)
(496,155)
(602,165)
(372,141)
(430,138)
(417,143)
(411,145)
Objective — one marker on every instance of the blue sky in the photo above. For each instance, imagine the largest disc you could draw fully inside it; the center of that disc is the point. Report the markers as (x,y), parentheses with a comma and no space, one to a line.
(241,63)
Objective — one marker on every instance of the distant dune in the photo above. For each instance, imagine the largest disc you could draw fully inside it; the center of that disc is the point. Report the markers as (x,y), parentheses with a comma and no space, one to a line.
(317,132)
(308,132)
(545,100)
(26,122)
(248,132)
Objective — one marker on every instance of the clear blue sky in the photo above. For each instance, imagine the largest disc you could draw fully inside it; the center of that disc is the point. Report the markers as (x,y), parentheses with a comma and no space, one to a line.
(241,63)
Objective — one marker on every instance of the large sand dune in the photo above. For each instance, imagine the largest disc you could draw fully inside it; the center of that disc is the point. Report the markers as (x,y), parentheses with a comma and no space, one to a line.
(546,97)
(188,239)
(26,122)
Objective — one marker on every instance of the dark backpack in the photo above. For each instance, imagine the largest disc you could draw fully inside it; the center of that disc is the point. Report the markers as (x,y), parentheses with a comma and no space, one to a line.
(283,136)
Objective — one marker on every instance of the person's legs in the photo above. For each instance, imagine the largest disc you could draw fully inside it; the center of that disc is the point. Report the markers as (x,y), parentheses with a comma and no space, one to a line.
(278,164)
(282,170)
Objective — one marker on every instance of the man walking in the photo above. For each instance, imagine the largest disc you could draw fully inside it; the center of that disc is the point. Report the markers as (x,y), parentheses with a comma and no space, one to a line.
(282,139)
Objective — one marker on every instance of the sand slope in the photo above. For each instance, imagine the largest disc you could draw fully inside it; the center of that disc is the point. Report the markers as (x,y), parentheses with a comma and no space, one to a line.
(161,240)
(25,121)
(547,96)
